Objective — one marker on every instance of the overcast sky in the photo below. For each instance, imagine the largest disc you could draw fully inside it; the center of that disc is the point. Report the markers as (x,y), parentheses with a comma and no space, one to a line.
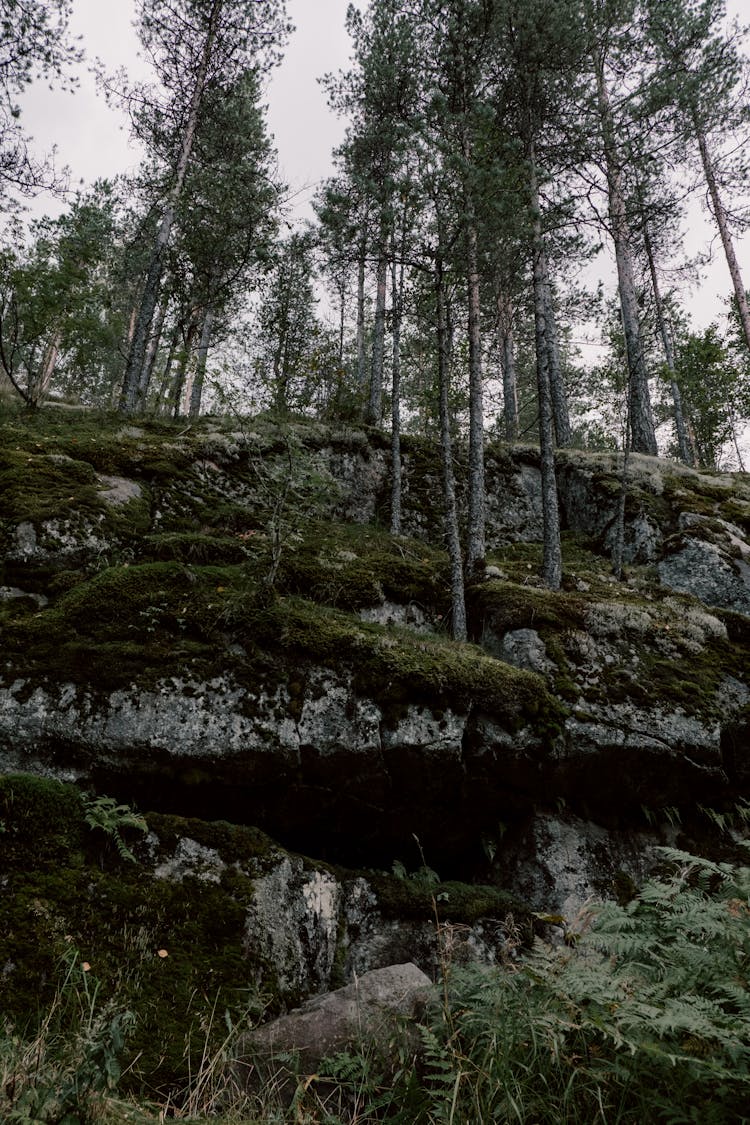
(93,140)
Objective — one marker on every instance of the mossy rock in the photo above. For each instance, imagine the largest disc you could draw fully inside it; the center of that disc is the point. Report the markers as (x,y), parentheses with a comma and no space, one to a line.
(451,901)
(66,889)
(352,567)
(510,606)
(135,623)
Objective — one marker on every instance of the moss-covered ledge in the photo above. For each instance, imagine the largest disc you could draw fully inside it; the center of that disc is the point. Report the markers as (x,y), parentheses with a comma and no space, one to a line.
(166,935)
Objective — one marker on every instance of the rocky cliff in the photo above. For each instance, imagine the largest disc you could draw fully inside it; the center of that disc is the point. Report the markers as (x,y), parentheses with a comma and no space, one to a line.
(212,624)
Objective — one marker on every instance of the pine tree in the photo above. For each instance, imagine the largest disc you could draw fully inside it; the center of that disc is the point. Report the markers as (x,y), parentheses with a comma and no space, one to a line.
(197,50)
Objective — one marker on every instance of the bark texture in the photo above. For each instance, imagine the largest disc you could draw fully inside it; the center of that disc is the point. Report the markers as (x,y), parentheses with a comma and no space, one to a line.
(642,433)
(452,534)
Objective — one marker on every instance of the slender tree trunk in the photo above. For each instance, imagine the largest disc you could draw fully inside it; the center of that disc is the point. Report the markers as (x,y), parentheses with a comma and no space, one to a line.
(280,369)
(683,440)
(476,542)
(397,292)
(720,214)
(642,434)
(560,412)
(510,386)
(508,365)
(342,317)
(375,406)
(38,392)
(149,297)
(166,375)
(552,549)
(558,396)
(152,351)
(361,359)
(182,369)
(453,537)
(735,443)
(196,392)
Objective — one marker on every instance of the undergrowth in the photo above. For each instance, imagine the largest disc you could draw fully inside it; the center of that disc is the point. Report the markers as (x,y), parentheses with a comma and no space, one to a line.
(643,1015)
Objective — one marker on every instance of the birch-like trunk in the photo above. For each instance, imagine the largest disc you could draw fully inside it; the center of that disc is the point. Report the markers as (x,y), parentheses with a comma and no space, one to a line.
(375,403)
(720,214)
(149,297)
(508,365)
(551,549)
(201,359)
(165,381)
(182,368)
(642,434)
(151,352)
(38,392)
(453,537)
(476,534)
(683,441)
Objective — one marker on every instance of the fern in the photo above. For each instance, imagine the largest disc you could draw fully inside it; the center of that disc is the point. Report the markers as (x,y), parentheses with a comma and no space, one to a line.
(105,814)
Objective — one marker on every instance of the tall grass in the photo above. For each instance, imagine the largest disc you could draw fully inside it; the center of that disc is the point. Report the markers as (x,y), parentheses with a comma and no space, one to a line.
(644,1017)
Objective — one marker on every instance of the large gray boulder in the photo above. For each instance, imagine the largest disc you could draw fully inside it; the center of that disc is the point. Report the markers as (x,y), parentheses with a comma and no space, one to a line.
(368,1012)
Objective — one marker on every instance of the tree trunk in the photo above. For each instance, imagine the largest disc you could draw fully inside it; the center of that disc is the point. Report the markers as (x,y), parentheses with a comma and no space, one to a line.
(476,543)
(452,534)
(642,435)
(165,380)
(342,317)
(196,392)
(182,369)
(151,352)
(361,359)
(137,354)
(38,392)
(508,365)
(397,295)
(552,549)
(683,440)
(720,215)
(375,405)
(560,414)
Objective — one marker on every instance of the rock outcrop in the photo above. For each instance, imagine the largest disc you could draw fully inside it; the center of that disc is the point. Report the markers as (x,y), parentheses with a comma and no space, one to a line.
(213,625)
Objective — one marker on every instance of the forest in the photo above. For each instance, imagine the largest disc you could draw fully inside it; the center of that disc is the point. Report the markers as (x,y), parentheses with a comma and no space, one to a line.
(492,150)
(233,442)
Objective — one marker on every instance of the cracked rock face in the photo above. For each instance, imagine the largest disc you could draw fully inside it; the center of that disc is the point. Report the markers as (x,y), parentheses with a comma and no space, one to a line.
(652,686)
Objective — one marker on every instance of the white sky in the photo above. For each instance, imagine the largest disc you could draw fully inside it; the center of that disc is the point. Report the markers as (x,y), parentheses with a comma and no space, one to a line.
(93,140)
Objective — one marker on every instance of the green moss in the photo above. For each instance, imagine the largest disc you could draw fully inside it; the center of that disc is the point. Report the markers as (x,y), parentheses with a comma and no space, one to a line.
(510,606)
(234,843)
(395,666)
(350,567)
(454,901)
(62,892)
(35,488)
(38,817)
(193,547)
(137,622)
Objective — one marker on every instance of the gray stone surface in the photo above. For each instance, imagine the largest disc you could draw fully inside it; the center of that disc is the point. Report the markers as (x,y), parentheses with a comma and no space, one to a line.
(369,1011)
(709,574)
(562,863)
(524,648)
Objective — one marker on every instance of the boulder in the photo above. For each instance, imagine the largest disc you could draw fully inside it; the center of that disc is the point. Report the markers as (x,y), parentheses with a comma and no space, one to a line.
(369,1012)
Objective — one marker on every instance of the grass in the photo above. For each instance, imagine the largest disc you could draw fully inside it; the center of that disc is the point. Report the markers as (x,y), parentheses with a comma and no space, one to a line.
(644,1016)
